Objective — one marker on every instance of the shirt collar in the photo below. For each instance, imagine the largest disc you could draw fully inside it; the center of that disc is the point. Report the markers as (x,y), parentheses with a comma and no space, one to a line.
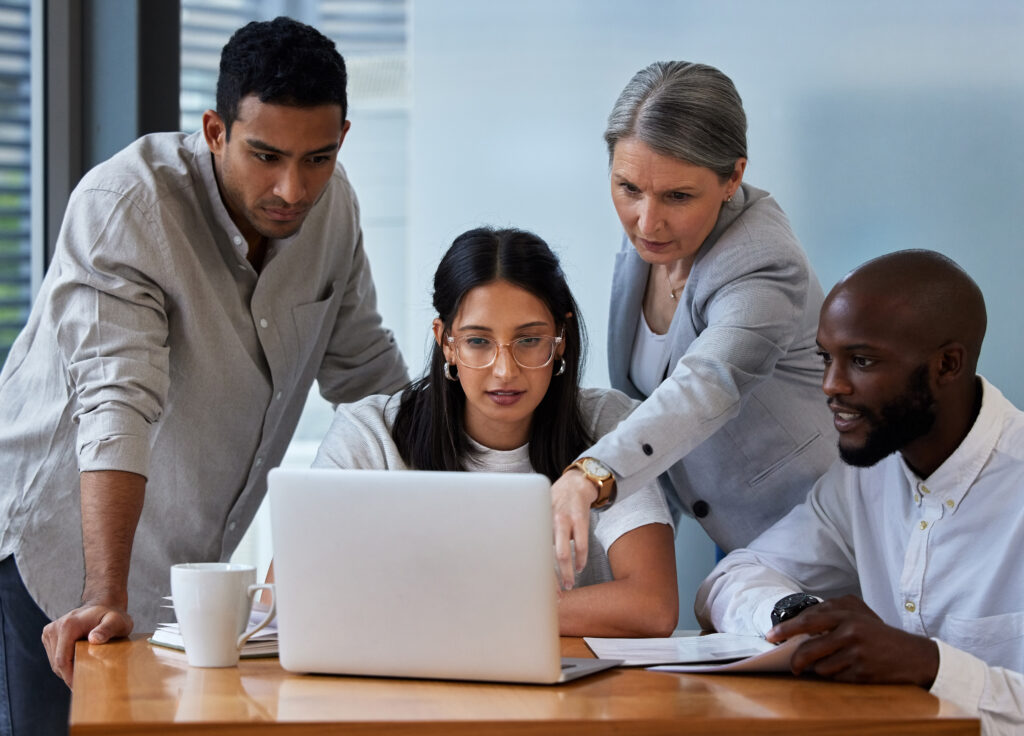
(951,481)
(221,216)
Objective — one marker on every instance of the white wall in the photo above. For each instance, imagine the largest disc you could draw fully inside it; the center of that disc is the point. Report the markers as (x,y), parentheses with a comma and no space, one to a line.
(877,125)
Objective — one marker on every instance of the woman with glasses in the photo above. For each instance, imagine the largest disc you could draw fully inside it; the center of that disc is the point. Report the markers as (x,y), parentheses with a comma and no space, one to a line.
(502,394)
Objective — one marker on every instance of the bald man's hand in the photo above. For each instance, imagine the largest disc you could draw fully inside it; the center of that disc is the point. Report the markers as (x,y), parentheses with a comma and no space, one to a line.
(850,643)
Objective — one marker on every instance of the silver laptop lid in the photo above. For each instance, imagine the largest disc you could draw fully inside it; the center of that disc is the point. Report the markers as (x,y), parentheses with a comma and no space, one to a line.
(415,574)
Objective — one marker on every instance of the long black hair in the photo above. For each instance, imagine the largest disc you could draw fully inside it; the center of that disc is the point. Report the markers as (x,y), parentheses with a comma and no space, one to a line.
(429,428)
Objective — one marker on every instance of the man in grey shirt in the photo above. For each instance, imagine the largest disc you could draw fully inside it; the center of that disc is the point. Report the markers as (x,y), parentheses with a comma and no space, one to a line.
(200,283)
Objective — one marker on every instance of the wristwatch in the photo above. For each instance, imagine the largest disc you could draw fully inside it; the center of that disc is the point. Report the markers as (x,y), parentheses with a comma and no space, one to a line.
(598,474)
(791,605)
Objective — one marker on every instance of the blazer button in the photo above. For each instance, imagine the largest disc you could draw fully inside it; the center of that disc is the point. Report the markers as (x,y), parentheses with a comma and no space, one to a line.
(648,450)
(701,509)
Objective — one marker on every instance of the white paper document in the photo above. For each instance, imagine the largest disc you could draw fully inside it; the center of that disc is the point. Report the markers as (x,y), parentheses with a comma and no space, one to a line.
(709,653)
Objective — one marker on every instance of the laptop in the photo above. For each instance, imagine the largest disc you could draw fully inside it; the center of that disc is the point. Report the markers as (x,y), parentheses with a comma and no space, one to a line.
(418,574)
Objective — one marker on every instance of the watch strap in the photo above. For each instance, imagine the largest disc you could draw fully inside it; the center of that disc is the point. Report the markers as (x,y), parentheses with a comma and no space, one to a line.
(791,605)
(605,485)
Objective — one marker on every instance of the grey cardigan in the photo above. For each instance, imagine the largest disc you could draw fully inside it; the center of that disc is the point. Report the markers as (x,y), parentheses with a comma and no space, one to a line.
(739,428)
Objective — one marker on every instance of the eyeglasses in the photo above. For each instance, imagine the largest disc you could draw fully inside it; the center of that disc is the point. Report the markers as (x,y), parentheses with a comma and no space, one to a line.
(477,351)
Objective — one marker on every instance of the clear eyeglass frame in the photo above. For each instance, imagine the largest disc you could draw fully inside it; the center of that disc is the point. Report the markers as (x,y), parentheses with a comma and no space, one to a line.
(517,348)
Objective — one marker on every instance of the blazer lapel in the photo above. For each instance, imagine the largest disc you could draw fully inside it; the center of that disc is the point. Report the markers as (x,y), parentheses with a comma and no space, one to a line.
(628,283)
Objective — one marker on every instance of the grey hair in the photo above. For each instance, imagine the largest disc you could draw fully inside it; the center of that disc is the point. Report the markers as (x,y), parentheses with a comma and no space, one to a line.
(688,111)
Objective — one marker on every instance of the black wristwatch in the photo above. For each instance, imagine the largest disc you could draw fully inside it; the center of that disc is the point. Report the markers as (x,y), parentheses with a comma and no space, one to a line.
(791,605)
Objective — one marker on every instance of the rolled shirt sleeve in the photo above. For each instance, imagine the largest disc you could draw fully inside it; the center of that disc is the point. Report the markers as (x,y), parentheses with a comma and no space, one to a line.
(112,330)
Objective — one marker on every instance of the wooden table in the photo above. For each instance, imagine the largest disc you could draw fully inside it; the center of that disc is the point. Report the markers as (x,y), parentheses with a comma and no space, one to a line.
(131,687)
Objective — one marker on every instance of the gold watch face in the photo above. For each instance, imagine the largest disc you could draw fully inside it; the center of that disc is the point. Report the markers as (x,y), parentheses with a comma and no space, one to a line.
(595,468)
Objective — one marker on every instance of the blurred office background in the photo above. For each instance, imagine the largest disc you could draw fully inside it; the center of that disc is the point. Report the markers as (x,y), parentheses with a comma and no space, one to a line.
(877,126)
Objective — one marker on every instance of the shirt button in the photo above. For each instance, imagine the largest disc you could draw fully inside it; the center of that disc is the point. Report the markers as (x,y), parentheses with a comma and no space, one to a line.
(950,503)
(909,605)
(648,450)
(917,498)
(924,524)
(231,526)
(264,324)
(701,509)
(278,397)
(237,240)
(924,488)
(258,462)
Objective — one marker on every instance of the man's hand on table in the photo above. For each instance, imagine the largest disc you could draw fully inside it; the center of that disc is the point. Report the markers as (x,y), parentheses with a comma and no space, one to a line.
(97,623)
(850,643)
(111,505)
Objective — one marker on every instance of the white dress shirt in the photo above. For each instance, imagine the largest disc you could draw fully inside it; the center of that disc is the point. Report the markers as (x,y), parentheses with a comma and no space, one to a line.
(935,557)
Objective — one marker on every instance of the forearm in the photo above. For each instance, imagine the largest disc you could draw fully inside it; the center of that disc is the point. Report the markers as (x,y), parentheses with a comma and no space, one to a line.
(686,409)
(738,596)
(641,600)
(806,551)
(617,608)
(111,506)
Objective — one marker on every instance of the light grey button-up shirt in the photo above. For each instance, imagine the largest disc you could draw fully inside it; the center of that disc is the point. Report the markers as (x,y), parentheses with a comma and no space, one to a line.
(154,347)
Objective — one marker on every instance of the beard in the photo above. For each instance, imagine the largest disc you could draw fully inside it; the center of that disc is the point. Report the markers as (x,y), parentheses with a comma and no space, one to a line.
(898,423)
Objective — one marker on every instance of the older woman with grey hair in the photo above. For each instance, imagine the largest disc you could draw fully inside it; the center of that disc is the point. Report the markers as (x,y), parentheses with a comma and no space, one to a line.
(714,311)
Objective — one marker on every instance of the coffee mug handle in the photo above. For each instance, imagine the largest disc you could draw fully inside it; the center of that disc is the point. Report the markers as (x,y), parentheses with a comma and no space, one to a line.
(266,619)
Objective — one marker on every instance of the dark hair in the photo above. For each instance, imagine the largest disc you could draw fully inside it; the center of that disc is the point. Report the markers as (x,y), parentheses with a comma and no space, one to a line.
(283,62)
(689,111)
(429,428)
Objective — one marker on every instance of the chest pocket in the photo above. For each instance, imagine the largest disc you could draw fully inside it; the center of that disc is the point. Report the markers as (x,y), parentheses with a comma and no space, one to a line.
(313,326)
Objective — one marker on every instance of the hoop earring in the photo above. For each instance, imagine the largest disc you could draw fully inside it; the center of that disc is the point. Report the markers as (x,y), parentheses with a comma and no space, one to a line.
(561,368)
(448,371)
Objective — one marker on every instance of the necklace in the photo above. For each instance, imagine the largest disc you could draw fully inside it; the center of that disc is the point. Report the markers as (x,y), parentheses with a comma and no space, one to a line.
(673,293)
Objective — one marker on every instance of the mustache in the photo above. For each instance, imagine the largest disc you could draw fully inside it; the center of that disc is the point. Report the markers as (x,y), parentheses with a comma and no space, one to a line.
(280,204)
(835,406)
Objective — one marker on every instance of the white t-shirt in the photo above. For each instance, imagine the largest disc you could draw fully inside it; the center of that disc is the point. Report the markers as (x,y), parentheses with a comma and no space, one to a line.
(360,438)
(648,363)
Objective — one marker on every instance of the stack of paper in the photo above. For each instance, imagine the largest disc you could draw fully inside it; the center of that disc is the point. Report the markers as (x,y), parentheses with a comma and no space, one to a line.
(709,653)
(263,644)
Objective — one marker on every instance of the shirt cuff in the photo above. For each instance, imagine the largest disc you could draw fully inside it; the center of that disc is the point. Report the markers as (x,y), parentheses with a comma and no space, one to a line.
(109,439)
(763,613)
(960,679)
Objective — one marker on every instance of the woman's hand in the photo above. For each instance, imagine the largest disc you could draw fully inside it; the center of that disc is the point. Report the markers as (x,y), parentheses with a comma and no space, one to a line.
(571,496)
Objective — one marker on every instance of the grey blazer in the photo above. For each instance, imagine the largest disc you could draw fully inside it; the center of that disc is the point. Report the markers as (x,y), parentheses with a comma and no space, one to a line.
(739,428)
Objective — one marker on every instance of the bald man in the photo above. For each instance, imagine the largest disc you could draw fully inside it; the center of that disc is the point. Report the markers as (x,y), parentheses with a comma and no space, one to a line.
(903,561)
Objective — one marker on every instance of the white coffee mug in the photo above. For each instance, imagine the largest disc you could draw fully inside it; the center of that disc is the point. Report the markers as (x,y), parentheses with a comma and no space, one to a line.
(212,601)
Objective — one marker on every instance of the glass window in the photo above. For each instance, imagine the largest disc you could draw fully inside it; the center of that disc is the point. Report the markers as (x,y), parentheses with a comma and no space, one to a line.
(15,182)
